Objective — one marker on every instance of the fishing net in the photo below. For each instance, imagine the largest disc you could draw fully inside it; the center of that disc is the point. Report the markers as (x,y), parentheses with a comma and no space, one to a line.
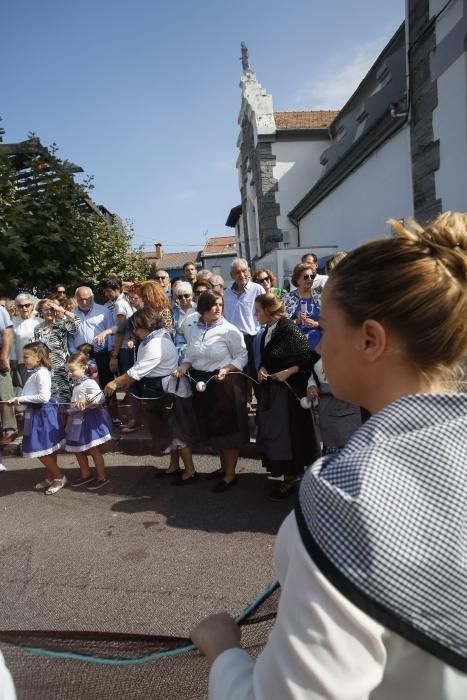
(101,665)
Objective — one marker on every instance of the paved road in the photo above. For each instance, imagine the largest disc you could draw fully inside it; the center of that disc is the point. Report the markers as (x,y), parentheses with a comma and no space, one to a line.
(139,556)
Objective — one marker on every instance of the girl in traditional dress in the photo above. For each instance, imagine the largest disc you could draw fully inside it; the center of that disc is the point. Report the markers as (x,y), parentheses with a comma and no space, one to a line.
(88,424)
(43,434)
(372,560)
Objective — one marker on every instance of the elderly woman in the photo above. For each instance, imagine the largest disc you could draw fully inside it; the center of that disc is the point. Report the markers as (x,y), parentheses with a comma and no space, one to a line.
(303,304)
(267,280)
(54,330)
(168,411)
(216,348)
(286,438)
(184,306)
(23,328)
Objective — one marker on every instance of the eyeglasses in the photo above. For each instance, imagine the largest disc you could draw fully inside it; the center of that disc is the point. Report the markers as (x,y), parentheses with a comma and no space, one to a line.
(23,306)
(263,279)
(308,277)
(60,291)
(184,296)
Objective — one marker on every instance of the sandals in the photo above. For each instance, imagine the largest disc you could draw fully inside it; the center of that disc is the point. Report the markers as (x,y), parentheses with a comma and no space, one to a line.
(56,485)
(43,485)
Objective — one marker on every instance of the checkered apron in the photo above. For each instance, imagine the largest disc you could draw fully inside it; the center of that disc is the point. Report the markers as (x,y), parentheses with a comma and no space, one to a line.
(386,521)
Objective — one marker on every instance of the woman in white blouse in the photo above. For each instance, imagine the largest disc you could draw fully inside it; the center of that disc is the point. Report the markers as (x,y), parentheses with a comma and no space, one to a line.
(216,349)
(168,408)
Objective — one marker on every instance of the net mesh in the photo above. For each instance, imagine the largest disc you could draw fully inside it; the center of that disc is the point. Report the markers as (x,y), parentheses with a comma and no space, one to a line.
(82,665)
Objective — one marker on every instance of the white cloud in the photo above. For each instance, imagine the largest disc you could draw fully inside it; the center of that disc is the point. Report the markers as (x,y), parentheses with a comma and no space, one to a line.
(338,77)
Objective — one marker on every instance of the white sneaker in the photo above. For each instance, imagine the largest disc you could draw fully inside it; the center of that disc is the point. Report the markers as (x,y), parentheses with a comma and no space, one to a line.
(56,485)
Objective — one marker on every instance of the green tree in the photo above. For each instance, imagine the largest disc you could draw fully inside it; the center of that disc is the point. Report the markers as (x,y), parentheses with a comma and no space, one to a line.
(109,251)
(50,230)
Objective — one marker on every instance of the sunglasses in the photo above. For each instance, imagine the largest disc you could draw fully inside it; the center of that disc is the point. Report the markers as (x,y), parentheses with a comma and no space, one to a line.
(308,277)
(263,279)
(23,306)
(161,278)
(184,296)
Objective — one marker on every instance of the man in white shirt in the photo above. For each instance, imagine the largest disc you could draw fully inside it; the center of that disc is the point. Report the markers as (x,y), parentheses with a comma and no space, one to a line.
(94,319)
(119,307)
(239,306)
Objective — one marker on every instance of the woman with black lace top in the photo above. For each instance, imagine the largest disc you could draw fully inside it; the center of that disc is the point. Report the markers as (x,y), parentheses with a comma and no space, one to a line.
(286,437)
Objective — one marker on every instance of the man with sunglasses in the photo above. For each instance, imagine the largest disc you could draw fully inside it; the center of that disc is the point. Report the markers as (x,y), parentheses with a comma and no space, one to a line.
(162,278)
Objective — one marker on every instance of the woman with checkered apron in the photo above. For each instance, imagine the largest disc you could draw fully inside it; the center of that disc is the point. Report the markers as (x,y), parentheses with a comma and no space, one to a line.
(372,560)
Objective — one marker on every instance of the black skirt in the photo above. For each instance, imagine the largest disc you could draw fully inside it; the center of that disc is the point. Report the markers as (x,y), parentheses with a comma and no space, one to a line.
(286,437)
(167,417)
(221,410)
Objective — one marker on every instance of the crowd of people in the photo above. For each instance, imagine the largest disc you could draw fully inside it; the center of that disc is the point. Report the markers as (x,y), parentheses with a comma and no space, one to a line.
(189,353)
(372,558)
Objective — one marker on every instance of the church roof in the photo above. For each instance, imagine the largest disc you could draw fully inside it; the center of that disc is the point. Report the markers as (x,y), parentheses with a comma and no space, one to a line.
(311,119)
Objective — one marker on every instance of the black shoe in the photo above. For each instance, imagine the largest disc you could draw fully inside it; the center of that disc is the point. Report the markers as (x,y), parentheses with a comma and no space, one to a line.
(218,474)
(224,485)
(164,473)
(98,484)
(82,481)
(185,482)
(282,491)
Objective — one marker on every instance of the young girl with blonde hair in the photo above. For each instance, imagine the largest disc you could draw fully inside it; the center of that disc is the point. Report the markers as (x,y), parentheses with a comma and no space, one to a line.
(43,434)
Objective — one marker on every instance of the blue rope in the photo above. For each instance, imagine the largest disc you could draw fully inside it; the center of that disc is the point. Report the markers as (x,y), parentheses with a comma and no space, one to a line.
(72,656)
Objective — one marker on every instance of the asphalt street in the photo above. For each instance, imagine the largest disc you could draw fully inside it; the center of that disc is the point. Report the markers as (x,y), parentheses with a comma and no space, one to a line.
(138,556)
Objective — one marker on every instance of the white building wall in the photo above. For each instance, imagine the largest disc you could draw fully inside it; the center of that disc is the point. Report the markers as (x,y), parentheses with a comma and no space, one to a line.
(358,209)
(450,119)
(297,169)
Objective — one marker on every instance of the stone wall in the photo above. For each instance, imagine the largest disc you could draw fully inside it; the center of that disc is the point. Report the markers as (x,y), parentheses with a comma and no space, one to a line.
(261,161)
(423,101)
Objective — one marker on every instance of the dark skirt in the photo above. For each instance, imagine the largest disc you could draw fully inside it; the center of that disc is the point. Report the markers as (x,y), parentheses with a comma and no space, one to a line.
(170,419)
(286,437)
(221,410)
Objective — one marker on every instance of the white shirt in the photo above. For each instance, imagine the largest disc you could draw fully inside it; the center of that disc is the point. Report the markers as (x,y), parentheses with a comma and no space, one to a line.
(23,333)
(38,387)
(319,281)
(239,309)
(7,689)
(322,647)
(188,324)
(91,389)
(93,322)
(216,346)
(158,357)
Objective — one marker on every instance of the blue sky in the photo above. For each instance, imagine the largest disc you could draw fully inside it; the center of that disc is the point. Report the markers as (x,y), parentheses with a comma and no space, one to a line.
(144,94)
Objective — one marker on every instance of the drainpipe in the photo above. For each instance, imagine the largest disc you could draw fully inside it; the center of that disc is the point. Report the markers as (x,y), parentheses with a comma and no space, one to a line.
(297,226)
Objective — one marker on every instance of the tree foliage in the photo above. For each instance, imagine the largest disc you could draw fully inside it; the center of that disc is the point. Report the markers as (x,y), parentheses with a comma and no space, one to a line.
(50,231)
